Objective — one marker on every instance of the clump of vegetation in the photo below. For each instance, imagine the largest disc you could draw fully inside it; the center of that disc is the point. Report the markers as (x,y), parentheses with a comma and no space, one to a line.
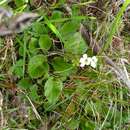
(64,65)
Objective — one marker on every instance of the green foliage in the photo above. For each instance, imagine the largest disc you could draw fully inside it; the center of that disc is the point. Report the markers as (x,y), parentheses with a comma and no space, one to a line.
(38,66)
(33,93)
(53,88)
(45,42)
(39,28)
(17,69)
(56,14)
(69,28)
(40,78)
(116,24)
(61,66)
(20,2)
(54,29)
(75,44)
(33,45)
(73,124)
(25,83)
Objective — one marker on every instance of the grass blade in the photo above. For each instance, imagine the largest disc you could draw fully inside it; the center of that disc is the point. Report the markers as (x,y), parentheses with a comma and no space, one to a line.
(115,25)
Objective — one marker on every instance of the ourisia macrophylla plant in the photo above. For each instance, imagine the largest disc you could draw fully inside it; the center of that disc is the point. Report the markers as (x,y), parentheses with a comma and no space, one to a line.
(85,60)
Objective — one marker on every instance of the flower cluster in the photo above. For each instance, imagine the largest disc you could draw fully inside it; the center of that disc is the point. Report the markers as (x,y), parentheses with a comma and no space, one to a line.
(85,60)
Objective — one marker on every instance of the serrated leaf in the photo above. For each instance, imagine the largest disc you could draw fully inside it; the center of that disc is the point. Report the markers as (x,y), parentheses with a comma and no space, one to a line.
(45,42)
(38,66)
(53,89)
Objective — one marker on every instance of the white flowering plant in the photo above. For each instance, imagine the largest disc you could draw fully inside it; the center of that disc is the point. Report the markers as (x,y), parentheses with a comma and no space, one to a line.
(85,61)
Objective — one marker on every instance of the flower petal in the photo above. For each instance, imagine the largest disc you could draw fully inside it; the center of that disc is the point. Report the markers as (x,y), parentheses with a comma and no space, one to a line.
(82,60)
(94,58)
(85,56)
(88,61)
(93,64)
(82,65)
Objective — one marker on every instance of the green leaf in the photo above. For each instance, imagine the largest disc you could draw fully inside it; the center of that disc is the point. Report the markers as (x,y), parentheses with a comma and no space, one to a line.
(17,69)
(45,42)
(20,2)
(61,66)
(39,28)
(73,124)
(21,50)
(38,66)
(87,125)
(56,14)
(53,29)
(33,45)
(25,83)
(53,89)
(69,28)
(33,93)
(75,44)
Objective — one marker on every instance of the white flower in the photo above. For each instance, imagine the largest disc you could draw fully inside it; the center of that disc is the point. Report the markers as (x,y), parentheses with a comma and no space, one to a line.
(85,60)
(94,62)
